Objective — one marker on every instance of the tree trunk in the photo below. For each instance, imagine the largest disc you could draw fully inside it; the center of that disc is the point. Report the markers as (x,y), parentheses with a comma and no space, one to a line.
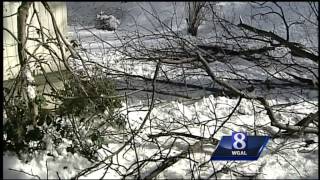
(27,80)
(195,16)
(23,13)
(193,30)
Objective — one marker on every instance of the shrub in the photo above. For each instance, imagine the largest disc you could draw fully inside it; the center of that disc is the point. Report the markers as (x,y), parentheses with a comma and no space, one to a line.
(94,98)
(88,96)
(20,135)
(106,22)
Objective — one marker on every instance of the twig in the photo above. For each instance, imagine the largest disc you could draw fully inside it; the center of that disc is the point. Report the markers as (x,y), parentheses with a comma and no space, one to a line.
(58,175)
(87,170)
(172,160)
(294,47)
(47,169)
(21,171)
(274,121)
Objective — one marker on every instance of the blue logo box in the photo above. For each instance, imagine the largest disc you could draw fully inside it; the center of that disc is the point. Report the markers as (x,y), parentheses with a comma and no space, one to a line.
(239,146)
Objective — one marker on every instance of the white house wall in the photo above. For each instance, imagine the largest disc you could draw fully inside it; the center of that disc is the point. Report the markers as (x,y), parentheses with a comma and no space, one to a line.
(10,49)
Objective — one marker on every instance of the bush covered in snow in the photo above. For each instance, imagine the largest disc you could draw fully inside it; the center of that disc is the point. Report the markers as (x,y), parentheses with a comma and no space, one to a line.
(86,109)
(20,134)
(98,91)
(106,22)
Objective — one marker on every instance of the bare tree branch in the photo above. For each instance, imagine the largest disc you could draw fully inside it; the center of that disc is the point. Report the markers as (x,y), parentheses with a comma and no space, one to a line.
(296,48)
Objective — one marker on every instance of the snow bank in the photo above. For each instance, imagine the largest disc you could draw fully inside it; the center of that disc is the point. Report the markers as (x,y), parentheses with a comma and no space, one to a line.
(281,158)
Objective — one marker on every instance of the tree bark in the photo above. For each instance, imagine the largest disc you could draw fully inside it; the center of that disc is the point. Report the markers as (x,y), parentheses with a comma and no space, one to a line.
(23,13)
(27,78)
(296,48)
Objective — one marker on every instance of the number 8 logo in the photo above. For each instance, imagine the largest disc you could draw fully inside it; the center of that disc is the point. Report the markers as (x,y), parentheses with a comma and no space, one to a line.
(239,141)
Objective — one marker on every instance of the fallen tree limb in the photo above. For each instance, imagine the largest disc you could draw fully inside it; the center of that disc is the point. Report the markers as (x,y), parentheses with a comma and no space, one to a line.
(137,131)
(219,49)
(274,121)
(310,82)
(178,134)
(303,123)
(156,91)
(296,48)
(222,83)
(172,160)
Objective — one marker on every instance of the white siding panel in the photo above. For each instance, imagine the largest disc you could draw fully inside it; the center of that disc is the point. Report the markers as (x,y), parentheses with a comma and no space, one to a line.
(10,49)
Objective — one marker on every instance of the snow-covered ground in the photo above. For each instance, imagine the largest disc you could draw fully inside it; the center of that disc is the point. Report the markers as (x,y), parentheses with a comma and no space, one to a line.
(282,158)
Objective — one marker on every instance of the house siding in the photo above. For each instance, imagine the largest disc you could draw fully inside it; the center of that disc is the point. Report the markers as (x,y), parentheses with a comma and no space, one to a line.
(10,49)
